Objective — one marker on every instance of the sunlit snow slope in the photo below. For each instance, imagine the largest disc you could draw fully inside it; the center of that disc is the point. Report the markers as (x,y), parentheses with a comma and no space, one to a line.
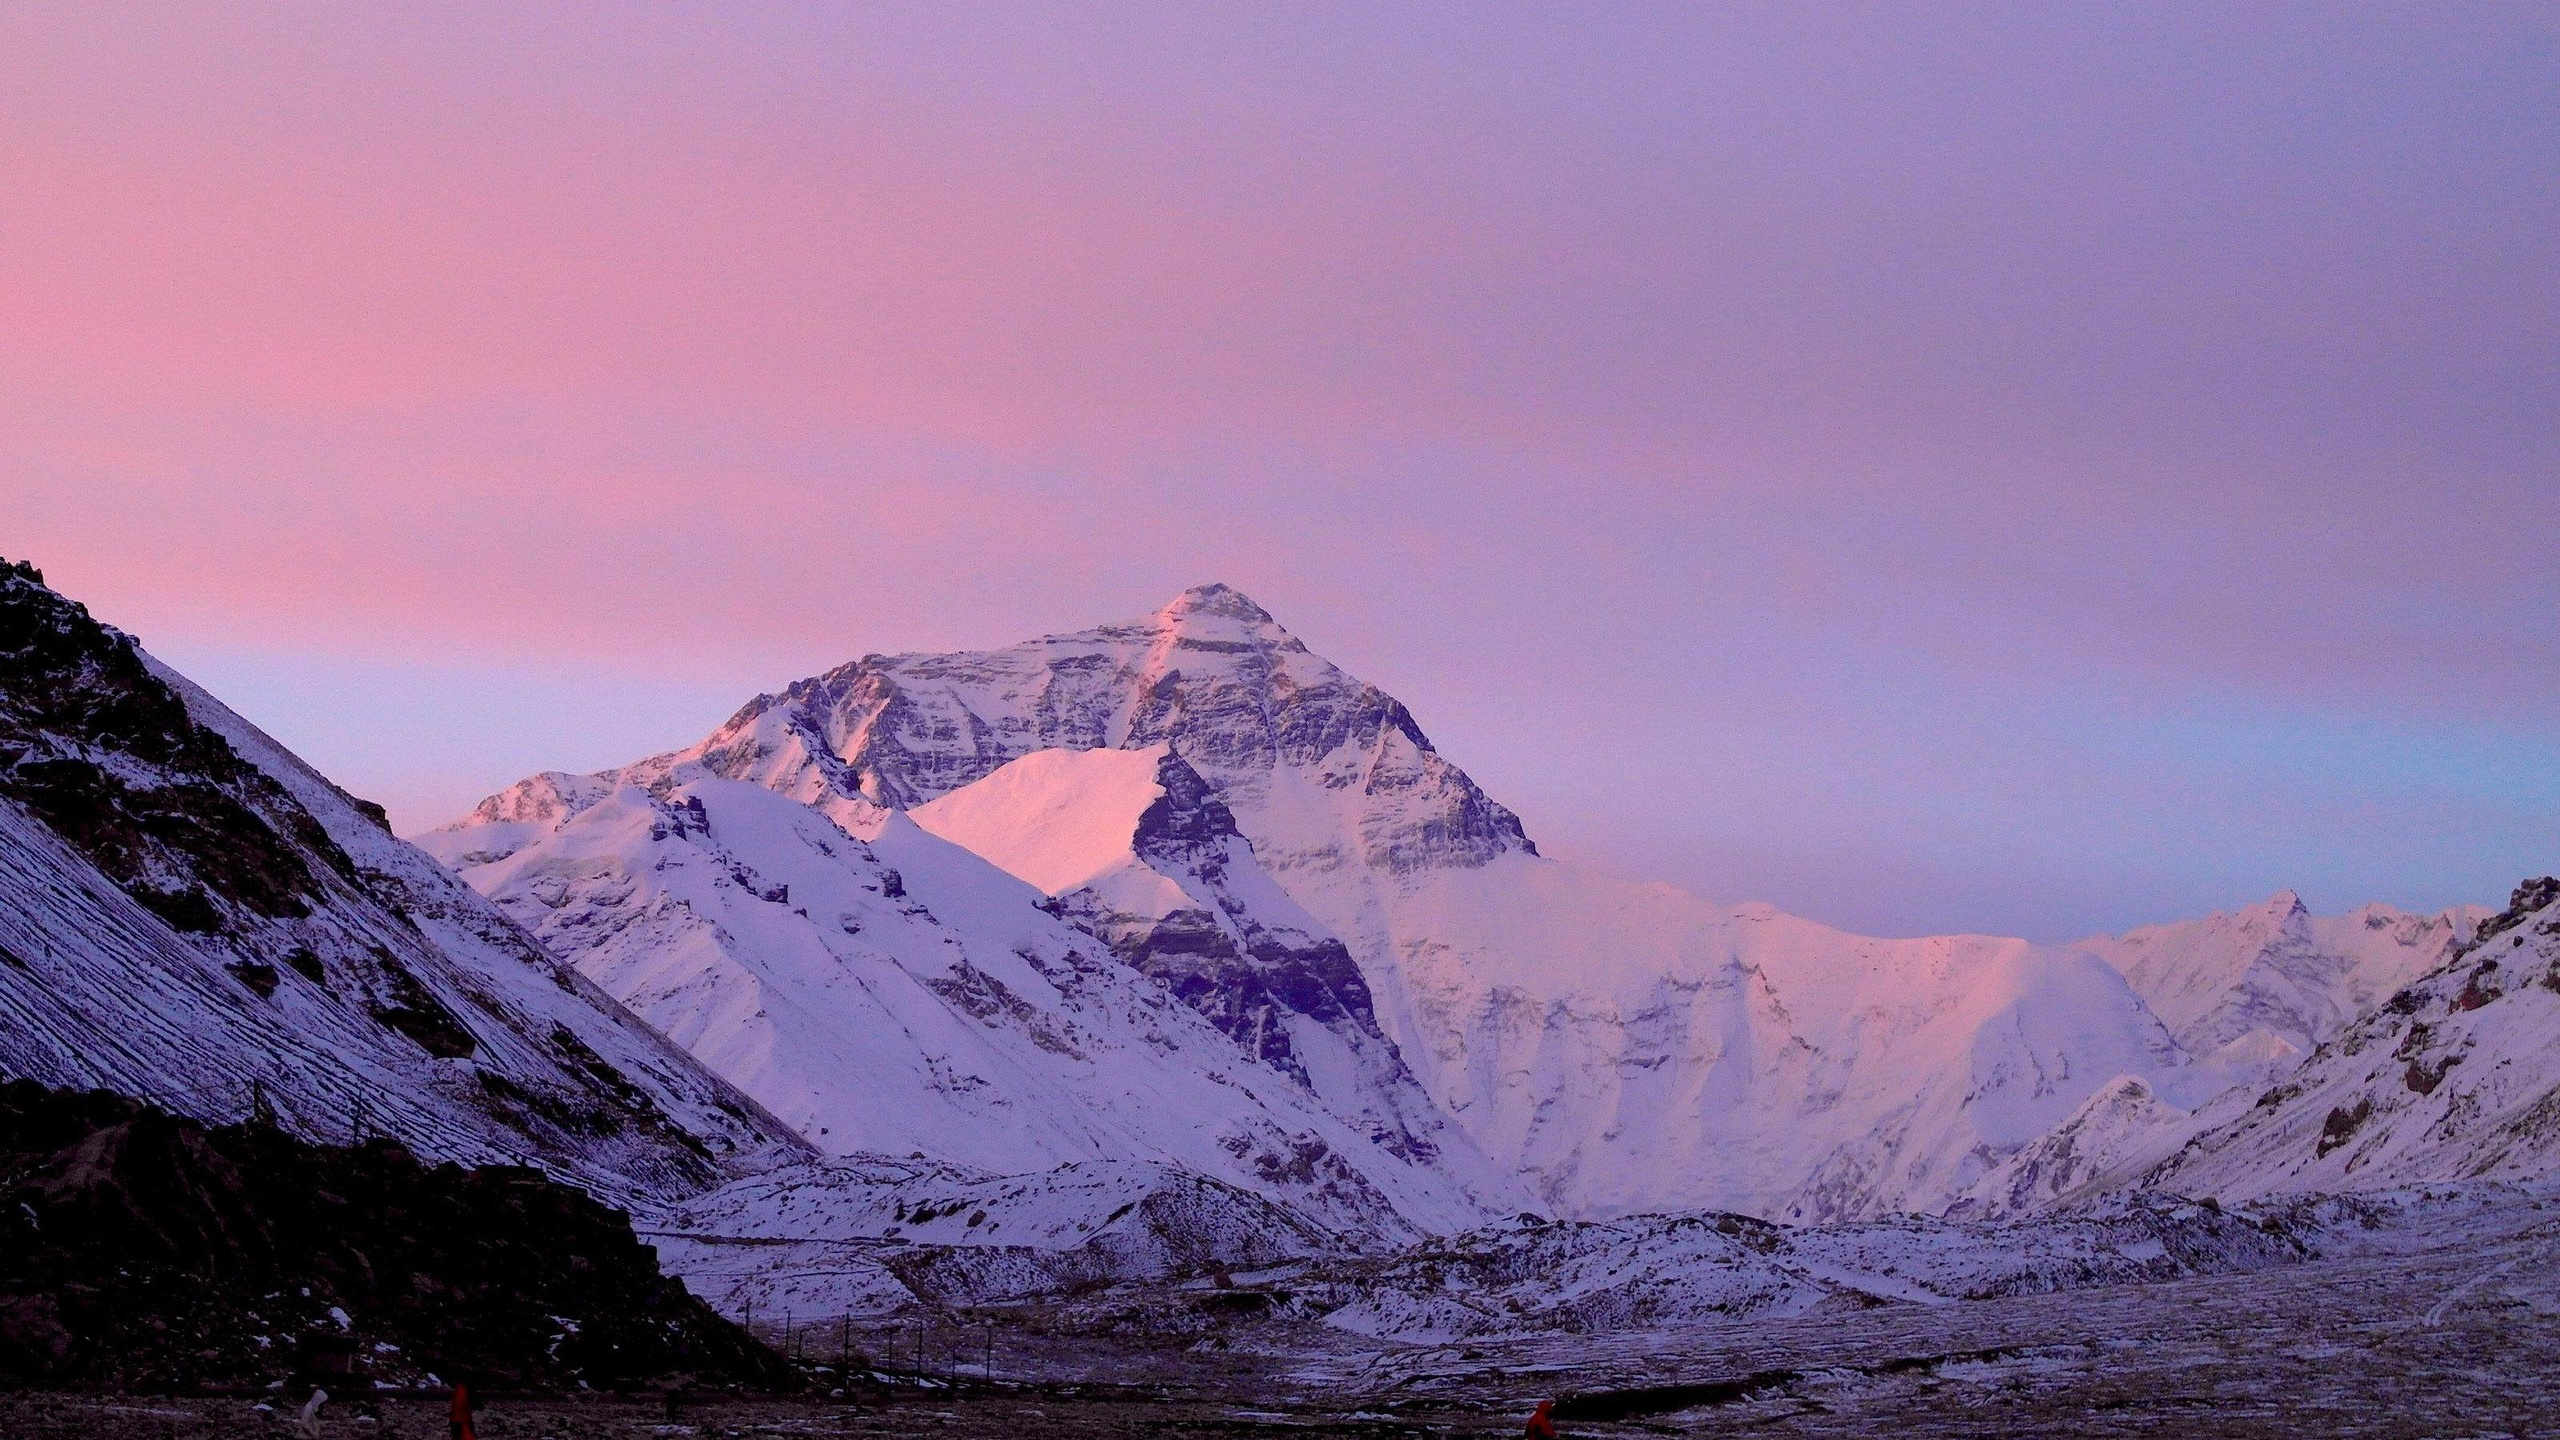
(2262,986)
(2452,1077)
(901,995)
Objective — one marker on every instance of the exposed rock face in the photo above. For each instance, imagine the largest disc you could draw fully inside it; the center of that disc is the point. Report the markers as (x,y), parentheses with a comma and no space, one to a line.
(189,913)
(97,749)
(141,1251)
(2450,1078)
(1242,701)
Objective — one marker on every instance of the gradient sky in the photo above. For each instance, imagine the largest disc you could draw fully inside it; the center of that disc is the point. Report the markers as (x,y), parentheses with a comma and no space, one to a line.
(2030,469)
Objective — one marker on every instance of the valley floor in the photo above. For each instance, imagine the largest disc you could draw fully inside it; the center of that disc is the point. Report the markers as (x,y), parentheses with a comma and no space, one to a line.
(2459,1338)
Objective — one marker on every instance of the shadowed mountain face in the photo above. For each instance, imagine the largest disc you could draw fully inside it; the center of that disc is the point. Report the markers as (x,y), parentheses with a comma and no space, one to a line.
(141,1251)
(1247,973)
(188,912)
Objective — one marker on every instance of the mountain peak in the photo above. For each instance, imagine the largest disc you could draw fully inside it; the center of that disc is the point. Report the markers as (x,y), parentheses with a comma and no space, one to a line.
(1217,599)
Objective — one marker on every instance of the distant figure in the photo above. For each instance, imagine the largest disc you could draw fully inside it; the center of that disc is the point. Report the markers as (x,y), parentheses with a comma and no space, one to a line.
(1542,1421)
(462,1413)
(307,1424)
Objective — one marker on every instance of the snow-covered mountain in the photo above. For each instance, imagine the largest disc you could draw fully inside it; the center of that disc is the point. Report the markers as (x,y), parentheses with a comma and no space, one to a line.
(901,995)
(2251,993)
(2263,985)
(2451,1078)
(2272,978)
(190,914)
(1131,847)
(1624,1047)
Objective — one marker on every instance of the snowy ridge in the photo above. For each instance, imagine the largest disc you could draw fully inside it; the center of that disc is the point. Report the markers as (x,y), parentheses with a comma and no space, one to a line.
(189,914)
(2258,992)
(2260,987)
(902,995)
(1131,847)
(2451,1078)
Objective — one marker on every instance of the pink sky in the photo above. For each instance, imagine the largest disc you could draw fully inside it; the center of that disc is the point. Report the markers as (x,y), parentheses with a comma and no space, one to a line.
(1995,468)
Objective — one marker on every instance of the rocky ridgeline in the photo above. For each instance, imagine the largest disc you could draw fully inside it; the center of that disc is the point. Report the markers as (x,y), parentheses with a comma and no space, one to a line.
(188,912)
(2451,1078)
(1212,674)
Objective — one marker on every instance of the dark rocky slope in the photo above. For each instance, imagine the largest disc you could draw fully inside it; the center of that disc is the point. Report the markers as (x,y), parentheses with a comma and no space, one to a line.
(145,1252)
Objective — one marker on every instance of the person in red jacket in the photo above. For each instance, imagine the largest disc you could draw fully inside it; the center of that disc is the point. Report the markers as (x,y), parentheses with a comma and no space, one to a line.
(1542,1422)
(462,1429)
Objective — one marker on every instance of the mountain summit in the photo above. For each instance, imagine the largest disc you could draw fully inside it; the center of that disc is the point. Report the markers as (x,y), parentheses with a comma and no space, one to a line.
(1341,900)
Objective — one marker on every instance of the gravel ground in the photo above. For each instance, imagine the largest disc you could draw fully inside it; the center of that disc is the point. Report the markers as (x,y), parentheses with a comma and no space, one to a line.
(2459,1340)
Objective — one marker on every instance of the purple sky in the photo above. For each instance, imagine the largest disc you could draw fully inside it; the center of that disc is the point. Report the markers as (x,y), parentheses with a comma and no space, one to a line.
(2030,469)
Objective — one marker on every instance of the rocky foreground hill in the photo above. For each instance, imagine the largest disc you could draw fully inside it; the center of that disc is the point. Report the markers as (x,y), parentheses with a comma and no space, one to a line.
(145,1252)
